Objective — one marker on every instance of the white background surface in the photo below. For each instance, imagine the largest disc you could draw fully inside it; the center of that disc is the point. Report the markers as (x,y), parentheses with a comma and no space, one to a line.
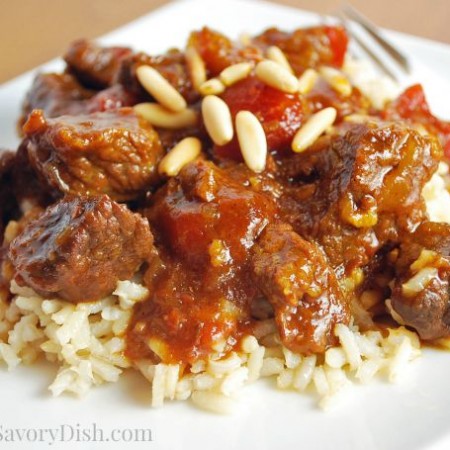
(411,416)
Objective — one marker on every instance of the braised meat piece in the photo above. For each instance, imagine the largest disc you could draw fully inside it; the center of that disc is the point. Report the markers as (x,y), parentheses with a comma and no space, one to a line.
(80,247)
(308,47)
(7,200)
(205,226)
(205,205)
(355,191)
(172,66)
(302,288)
(20,189)
(94,66)
(114,153)
(26,189)
(56,95)
(110,99)
(322,95)
(62,94)
(420,297)
(15,226)
(219,52)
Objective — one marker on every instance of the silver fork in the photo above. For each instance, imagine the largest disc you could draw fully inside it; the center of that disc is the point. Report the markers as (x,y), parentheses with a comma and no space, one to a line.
(403,69)
(398,58)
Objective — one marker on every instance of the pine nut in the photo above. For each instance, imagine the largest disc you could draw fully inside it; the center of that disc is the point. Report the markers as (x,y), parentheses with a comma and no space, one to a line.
(217,119)
(252,140)
(183,153)
(159,88)
(337,80)
(307,81)
(313,128)
(360,118)
(275,54)
(197,68)
(276,76)
(235,73)
(212,87)
(161,117)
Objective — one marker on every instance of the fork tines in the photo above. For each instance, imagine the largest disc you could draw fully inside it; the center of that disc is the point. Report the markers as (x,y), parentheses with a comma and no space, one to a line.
(380,51)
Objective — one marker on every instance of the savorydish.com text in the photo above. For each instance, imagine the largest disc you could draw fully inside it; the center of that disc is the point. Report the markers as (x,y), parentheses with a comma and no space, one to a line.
(72,433)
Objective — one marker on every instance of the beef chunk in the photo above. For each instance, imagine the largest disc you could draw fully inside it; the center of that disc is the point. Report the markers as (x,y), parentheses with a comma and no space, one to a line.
(308,47)
(420,297)
(110,99)
(95,67)
(56,95)
(203,205)
(302,288)
(20,190)
(355,191)
(62,94)
(28,190)
(322,95)
(114,153)
(7,200)
(80,247)
(172,66)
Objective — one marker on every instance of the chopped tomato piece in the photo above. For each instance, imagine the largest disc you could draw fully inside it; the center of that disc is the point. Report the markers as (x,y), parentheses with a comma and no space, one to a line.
(412,105)
(219,52)
(338,43)
(280,114)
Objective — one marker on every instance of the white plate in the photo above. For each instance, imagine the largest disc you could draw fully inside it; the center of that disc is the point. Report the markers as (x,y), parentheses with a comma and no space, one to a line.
(411,415)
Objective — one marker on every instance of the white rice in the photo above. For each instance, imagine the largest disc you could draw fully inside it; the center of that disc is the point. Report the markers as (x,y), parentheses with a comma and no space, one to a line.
(87,345)
(437,196)
(379,89)
(86,341)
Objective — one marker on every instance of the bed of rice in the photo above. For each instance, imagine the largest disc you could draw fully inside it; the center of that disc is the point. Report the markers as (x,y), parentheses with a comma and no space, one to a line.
(87,341)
